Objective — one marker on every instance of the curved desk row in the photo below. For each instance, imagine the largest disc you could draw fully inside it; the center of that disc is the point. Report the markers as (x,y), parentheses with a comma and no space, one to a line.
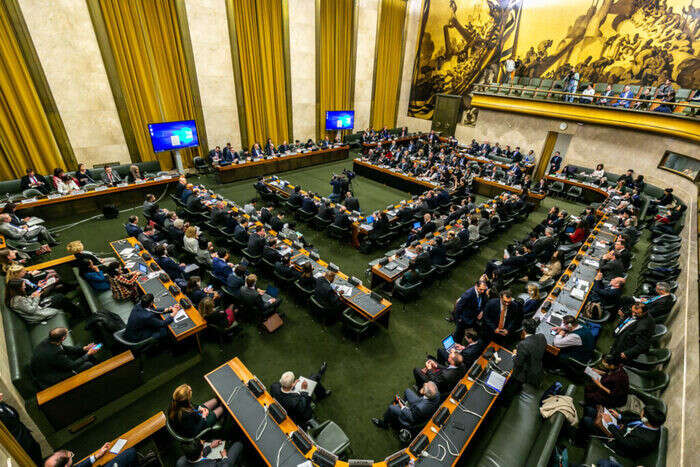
(361,299)
(592,193)
(56,206)
(281,443)
(275,164)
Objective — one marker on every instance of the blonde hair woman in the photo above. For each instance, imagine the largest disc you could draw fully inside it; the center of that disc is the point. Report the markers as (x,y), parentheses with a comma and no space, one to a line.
(187,420)
(84,257)
(16,271)
(533,302)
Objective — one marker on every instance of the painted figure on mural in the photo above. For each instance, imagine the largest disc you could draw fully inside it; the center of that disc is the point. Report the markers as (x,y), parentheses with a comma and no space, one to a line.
(634,42)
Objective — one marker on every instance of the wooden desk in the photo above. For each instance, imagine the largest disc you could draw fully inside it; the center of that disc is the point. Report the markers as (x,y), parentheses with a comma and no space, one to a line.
(493,188)
(198,323)
(51,263)
(218,380)
(83,393)
(134,437)
(591,193)
(233,172)
(91,201)
(403,139)
(527,167)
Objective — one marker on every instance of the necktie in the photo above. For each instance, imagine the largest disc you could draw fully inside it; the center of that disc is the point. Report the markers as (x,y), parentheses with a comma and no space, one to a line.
(109,176)
(502,319)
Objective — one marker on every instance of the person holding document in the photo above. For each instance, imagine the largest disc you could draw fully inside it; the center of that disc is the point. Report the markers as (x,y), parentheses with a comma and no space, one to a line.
(295,394)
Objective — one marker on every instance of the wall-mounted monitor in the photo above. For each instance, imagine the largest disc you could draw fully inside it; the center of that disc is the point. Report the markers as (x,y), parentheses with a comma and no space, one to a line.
(340,120)
(170,136)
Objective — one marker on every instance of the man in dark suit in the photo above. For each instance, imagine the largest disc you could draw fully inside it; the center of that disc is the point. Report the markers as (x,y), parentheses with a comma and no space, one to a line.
(636,436)
(438,252)
(543,247)
(53,361)
(341,219)
(270,252)
(220,267)
(297,403)
(174,269)
(607,296)
(240,232)
(236,280)
(256,242)
(296,198)
(110,177)
(469,352)
(502,318)
(148,239)
(351,202)
(132,227)
(661,303)
(422,259)
(469,309)
(555,162)
(308,205)
(427,227)
(415,411)
(633,335)
(254,300)
(10,418)
(326,296)
(145,322)
(277,222)
(194,202)
(527,365)
(283,268)
(444,376)
(611,266)
(33,180)
(196,454)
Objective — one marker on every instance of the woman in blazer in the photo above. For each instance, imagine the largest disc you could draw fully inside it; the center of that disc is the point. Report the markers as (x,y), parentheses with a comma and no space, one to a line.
(189,420)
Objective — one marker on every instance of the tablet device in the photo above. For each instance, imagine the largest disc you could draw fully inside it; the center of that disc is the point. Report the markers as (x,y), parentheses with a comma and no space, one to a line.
(448,342)
(370,220)
(143,269)
(416,225)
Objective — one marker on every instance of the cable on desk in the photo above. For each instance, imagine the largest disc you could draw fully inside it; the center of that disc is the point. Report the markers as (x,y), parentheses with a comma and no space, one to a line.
(279,451)
(261,427)
(448,444)
(425,453)
(233,393)
(459,406)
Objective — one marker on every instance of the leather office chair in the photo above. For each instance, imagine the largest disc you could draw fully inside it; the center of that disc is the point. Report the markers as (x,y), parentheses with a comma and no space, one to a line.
(318,223)
(647,381)
(207,432)
(355,324)
(331,437)
(652,359)
(253,259)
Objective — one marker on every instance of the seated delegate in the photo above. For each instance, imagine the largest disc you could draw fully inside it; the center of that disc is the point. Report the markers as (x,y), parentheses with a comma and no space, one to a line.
(53,360)
(145,320)
(189,420)
(297,400)
(414,411)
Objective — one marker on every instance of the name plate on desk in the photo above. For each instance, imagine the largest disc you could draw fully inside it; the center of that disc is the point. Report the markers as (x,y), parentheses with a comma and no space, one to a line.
(102,188)
(122,184)
(29,200)
(139,181)
(54,195)
(162,177)
(78,192)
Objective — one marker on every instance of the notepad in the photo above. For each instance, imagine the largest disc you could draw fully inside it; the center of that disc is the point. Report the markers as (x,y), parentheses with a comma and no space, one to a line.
(180,316)
(311,385)
(495,381)
(118,446)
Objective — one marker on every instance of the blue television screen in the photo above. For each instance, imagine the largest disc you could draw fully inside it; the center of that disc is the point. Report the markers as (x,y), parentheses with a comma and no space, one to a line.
(169,136)
(340,119)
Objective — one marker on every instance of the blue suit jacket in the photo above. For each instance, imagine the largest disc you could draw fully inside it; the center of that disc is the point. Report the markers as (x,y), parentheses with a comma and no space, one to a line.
(171,267)
(220,269)
(468,306)
(143,323)
(132,230)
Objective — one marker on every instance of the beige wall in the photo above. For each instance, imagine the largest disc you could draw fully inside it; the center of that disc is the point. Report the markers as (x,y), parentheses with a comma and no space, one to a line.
(65,42)
(302,58)
(364,66)
(212,58)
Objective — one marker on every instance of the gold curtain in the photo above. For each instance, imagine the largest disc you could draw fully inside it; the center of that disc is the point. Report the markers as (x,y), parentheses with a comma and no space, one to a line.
(336,56)
(26,139)
(260,45)
(387,71)
(145,41)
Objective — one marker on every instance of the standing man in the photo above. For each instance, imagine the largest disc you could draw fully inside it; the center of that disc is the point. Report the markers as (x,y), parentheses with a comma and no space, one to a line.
(555,162)
(527,364)
(469,309)
(502,318)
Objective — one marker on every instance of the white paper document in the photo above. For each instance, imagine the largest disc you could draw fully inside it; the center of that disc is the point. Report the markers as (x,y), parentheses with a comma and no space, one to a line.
(310,385)
(118,446)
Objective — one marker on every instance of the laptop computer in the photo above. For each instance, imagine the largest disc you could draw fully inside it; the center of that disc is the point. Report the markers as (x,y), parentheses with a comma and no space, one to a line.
(143,269)
(370,220)
(448,342)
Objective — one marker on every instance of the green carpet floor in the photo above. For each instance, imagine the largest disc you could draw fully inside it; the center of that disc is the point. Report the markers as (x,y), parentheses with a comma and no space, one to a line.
(364,377)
